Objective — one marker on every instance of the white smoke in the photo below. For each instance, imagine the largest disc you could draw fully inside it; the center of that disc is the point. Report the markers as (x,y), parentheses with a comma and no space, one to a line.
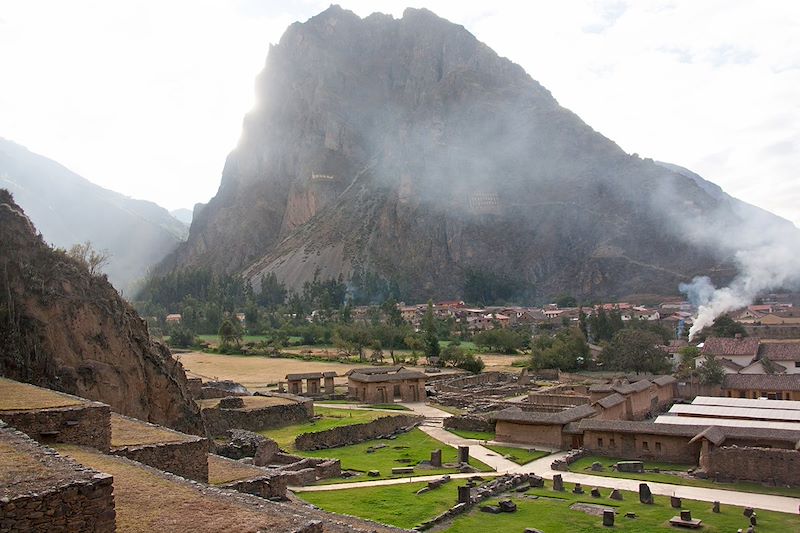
(769,262)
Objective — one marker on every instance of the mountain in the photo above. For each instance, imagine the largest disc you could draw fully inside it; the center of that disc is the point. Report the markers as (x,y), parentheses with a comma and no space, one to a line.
(65,329)
(69,209)
(184,215)
(405,150)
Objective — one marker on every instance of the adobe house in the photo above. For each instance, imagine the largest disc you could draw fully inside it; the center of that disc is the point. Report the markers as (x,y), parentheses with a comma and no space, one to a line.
(740,350)
(386,384)
(754,386)
(538,428)
(633,401)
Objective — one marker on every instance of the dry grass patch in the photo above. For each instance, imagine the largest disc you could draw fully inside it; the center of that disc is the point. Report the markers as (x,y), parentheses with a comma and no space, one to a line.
(20,467)
(147,502)
(250,402)
(16,396)
(222,470)
(253,371)
(130,432)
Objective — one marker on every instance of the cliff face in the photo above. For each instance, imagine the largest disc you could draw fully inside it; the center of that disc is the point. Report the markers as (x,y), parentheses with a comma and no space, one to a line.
(64,329)
(409,149)
(69,209)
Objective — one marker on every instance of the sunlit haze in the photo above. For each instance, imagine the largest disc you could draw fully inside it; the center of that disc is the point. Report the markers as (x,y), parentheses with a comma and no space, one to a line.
(147,98)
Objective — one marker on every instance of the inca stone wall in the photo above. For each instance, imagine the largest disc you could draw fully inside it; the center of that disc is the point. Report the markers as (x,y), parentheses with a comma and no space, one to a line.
(219,421)
(87,424)
(187,459)
(51,493)
(778,466)
(345,435)
(468,423)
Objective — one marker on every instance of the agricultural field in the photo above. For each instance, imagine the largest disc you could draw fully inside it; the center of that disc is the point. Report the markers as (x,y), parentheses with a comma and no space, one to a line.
(543,509)
(674,474)
(256,373)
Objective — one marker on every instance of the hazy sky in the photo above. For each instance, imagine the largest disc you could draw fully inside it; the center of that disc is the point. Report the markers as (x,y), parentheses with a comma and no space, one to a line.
(147,97)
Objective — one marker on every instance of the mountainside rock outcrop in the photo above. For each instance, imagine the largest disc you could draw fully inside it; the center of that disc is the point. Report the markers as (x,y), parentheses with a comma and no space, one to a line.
(65,329)
(407,149)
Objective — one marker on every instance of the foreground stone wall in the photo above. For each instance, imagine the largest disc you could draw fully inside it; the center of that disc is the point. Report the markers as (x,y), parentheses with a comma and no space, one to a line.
(88,424)
(220,421)
(187,458)
(343,436)
(78,500)
(781,467)
(469,423)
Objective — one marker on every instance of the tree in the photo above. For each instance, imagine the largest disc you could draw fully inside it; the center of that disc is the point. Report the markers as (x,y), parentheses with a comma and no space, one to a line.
(565,300)
(229,333)
(181,336)
(711,371)
(636,351)
(499,340)
(725,326)
(566,350)
(454,356)
(688,355)
(431,339)
(92,259)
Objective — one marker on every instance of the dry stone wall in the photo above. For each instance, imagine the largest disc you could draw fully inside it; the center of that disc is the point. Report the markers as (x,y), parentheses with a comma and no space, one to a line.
(346,435)
(88,424)
(187,458)
(778,466)
(469,423)
(74,499)
(220,421)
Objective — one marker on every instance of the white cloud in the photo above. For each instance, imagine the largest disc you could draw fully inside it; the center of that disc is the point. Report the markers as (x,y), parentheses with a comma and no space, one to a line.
(147,97)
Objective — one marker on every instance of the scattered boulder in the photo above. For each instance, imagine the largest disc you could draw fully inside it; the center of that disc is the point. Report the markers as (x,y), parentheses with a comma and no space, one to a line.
(608,518)
(507,506)
(615,495)
(645,496)
(558,482)
(595,492)
(630,466)
(597,467)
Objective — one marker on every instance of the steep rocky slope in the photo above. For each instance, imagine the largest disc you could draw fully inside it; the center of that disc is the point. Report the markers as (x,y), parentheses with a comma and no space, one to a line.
(62,328)
(408,149)
(68,209)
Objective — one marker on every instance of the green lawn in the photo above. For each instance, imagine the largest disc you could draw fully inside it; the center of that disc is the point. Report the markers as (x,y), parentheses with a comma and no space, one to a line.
(396,505)
(541,508)
(331,418)
(584,464)
(521,456)
(407,449)
(390,406)
(477,435)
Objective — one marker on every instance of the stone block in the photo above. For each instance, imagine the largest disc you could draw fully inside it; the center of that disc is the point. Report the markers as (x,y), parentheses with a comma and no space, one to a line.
(463,454)
(558,482)
(608,518)
(645,496)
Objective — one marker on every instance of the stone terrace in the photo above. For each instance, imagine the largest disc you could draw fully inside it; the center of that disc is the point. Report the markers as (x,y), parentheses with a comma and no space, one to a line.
(229,474)
(160,447)
(150,500)
(54,417)
(255,413)
(42,491)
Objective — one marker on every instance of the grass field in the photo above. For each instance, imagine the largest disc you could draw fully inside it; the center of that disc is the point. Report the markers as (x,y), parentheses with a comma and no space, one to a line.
(396,505)
(389,406)
(521,456)
(584,464)
(477,435)
(331,417)
(543,509)
(407,449)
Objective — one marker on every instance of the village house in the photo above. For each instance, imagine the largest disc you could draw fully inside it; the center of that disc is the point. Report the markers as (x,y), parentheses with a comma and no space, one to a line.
(173,318)
(754,386)
(740,350)
(388,384)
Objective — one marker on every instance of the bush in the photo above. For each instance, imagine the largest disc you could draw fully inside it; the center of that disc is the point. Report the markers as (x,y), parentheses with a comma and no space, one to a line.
(181,337)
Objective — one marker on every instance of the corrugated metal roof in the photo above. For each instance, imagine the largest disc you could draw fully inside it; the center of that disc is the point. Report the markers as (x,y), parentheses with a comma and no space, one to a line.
(734,413)
(711,421)
(747,402)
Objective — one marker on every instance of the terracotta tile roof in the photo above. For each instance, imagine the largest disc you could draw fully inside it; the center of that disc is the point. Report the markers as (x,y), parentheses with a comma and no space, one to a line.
(762,382)
(515,414)
(780,351)
(665,380)
(713,434)
(730,364)
(724,346)
(611,400)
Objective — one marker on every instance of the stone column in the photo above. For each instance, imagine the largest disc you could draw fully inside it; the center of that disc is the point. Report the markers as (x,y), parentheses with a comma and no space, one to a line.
(436,458)
(463,454)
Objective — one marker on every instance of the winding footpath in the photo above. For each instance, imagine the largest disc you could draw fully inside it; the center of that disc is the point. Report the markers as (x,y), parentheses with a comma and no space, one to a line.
(433,426)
